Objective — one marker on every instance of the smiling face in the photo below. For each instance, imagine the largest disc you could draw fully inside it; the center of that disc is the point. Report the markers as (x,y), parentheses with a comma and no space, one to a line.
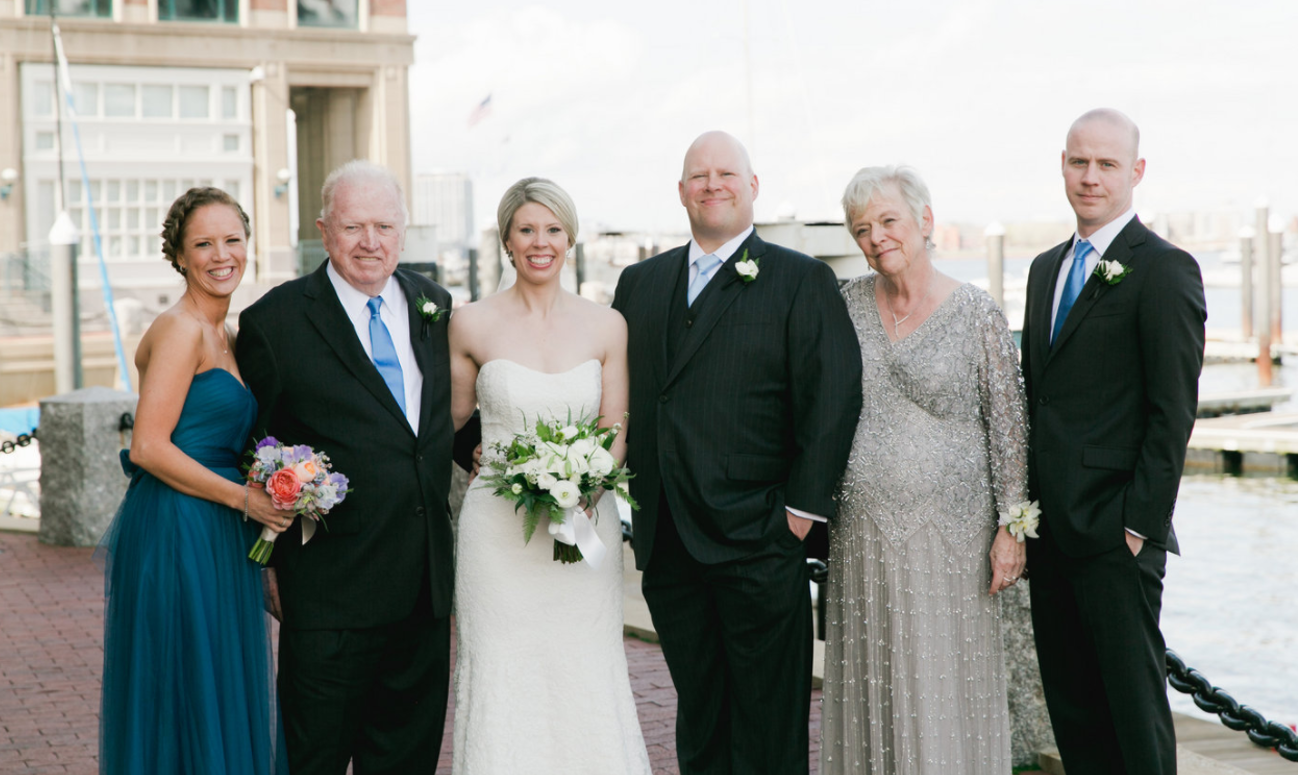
(364,234)
(888,234)
(213,250)
(1100,171)
(537,243)
(717,189)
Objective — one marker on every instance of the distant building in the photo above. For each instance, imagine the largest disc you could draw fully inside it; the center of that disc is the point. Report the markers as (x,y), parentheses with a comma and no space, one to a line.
(259,97)
(445,200)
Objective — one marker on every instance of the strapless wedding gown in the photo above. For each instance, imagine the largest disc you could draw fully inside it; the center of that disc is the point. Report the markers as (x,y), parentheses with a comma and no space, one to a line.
(541,683)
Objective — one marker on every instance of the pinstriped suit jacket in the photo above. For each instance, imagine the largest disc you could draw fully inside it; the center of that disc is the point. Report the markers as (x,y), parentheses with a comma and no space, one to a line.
(755,411)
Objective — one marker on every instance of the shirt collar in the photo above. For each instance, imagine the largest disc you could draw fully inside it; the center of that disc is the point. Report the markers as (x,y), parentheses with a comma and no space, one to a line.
(724,252)
(354,300)
(1106,234)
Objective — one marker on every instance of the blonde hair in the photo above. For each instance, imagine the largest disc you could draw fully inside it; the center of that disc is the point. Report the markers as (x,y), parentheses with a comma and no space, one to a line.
(543,192)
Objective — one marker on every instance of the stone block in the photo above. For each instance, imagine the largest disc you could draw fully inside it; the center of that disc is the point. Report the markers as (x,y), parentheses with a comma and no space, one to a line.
(81,476)
(1030,731)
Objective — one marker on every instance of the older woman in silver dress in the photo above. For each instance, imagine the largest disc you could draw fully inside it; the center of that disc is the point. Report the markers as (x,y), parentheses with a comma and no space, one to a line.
(915,672)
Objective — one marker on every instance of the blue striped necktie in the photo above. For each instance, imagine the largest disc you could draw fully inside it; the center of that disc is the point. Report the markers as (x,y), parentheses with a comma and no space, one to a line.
(384,353)
(1072,286)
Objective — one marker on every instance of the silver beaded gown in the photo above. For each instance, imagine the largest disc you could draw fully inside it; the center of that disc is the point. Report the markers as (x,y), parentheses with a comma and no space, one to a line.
(914,666)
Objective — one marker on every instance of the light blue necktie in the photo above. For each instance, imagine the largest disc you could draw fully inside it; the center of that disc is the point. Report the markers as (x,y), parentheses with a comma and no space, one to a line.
(705,264)
(384,353)
(1072,286)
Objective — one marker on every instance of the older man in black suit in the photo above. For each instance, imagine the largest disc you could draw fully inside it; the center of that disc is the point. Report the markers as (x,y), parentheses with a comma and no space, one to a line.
(345,360)
(745,390)
(1112,348)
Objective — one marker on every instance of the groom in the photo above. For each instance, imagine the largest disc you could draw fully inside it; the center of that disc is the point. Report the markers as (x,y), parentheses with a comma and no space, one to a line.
(343,360)
(745,389)
(1112,347)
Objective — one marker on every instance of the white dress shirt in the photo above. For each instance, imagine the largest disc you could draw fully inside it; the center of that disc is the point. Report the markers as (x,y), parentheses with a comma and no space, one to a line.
(724,253)
(1100,242)
(395,314)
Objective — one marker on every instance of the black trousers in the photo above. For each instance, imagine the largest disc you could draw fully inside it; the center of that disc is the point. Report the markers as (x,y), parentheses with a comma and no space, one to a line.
(374,697)
(1103,658)
(737,640)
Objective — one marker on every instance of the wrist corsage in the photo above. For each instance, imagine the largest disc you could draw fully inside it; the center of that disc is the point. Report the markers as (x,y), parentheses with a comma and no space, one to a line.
(1022,519)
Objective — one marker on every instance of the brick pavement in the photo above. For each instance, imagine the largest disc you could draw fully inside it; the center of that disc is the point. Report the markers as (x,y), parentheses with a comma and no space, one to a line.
(51,655)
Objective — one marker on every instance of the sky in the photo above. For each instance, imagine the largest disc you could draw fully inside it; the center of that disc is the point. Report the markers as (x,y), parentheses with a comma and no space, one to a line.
(604,98)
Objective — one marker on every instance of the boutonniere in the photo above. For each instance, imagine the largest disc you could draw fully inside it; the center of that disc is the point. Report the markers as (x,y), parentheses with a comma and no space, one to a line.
(1111,272)
(430,312)
(746,267)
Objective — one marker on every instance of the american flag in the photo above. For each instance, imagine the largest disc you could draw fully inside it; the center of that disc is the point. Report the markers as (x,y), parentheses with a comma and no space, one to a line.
(480,112)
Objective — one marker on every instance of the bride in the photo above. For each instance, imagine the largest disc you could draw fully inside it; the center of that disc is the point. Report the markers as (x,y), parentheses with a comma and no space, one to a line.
(541,682)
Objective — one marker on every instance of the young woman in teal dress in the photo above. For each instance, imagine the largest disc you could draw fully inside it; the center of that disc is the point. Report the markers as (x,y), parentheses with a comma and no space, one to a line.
(188,685)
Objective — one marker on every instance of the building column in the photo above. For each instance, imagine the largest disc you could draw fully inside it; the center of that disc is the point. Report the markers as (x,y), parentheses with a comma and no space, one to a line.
(276,261)
(12,223)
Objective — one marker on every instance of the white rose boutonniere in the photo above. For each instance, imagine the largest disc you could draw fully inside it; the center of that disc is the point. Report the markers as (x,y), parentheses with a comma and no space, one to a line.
(746,267)
(1022,519)
(428,309)
(1112,272)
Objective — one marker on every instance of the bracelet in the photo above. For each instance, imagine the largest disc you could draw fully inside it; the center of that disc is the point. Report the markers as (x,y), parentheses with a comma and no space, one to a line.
(245,501)
(1022,519)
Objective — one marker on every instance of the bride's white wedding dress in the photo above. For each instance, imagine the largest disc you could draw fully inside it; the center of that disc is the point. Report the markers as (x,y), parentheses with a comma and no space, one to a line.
(541,683)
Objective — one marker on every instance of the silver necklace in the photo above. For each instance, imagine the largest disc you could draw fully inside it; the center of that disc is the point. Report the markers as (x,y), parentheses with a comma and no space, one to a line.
(896,322)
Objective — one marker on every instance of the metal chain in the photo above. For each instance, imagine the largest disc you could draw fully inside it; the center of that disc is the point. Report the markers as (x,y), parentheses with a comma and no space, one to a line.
(1241,718)
(23,440)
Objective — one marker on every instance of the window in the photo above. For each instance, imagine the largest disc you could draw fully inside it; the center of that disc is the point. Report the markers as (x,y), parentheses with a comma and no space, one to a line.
(230,143)
(326,13)
(199,11)
(193,101)
(43,98)
(229,103)
(157,100)
(85,97)
(119,100)
(94,8)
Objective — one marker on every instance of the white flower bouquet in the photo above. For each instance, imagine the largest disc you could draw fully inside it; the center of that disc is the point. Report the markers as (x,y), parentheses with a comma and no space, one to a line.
(548,471)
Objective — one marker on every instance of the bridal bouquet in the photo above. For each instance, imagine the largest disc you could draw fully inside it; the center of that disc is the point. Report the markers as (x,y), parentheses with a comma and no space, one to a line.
(298,479)
(547,472)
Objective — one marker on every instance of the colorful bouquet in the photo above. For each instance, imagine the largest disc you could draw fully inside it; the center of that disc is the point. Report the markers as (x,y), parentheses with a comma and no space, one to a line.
(548,471)
(298,479)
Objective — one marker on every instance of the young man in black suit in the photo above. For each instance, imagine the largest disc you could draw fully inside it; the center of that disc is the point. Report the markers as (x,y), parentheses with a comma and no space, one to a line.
(1112,348)
(745,390)
(344,360)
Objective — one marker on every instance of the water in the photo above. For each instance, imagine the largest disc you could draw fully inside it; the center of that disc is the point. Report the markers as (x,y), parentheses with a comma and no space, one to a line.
(1228,601)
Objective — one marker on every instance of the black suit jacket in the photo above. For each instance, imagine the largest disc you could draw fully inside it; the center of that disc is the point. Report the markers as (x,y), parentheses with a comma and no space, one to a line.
(756,410)
(1112,403)
(300,356)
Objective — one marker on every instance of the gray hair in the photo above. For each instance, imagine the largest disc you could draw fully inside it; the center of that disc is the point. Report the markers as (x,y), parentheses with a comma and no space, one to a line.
(361,171)
(868,181)
(543,192)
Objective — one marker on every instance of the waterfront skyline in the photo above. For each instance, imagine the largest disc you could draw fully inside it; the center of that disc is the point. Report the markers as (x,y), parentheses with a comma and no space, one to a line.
(976,94)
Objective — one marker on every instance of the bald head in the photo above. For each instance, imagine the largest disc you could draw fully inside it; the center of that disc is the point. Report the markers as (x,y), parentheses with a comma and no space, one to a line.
(713,143)
(717,189)
(1115,119)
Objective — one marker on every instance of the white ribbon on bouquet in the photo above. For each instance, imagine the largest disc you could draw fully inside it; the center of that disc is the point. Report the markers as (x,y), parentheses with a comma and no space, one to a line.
(577,530)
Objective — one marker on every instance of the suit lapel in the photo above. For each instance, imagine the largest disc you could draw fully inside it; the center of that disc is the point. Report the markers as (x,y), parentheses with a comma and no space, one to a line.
(722,291)
(330,320)
(1095,288)
(669,275)
(420,333)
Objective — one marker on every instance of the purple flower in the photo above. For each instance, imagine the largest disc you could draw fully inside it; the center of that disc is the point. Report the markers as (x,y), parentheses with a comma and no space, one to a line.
(269,441)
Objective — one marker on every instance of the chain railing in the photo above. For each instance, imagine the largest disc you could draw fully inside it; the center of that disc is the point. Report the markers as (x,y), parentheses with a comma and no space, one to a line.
(23,440)
(1241,718)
